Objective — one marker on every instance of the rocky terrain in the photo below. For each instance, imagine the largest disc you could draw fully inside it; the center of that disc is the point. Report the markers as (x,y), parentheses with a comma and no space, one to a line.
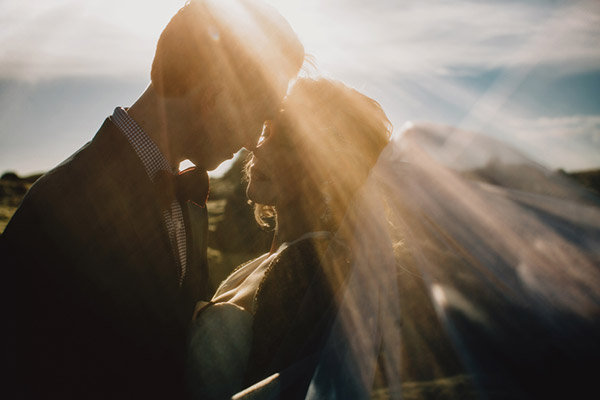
(12,190)
(234,235)
(432,366)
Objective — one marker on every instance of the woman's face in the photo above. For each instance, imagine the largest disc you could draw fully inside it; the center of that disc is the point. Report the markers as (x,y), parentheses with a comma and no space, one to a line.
(275,169)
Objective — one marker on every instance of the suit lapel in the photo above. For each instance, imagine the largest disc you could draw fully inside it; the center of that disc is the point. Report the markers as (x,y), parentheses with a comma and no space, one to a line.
(142,219)
(140,211)
(196,223)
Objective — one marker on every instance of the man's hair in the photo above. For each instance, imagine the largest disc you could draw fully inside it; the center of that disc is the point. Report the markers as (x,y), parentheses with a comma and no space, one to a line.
(240,43)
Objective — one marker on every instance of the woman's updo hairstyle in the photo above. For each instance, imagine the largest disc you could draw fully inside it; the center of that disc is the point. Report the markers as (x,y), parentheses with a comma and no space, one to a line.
(338,134)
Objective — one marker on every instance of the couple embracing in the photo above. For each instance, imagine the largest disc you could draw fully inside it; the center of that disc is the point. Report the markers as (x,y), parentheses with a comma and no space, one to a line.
(107,285)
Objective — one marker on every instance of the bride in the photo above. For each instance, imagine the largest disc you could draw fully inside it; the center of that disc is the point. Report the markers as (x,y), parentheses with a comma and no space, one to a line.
(383,253)
(274,314)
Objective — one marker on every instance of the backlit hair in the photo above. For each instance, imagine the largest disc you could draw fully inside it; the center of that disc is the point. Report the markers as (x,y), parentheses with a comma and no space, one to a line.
(340,133)
(239,43)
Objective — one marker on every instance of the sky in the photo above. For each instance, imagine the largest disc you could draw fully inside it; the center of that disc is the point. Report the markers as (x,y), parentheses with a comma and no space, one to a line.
(524,72)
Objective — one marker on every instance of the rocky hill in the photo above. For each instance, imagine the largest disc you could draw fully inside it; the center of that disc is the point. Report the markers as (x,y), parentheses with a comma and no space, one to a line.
(234,235)
(12,190)
(433,366)
(485,159)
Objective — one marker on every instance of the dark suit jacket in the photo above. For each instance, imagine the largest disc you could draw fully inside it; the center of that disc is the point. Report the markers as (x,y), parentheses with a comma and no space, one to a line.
(94,299)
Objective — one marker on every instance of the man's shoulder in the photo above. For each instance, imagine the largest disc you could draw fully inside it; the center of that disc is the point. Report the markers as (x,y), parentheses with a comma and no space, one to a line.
(78,163)
(108,148)
(91,175)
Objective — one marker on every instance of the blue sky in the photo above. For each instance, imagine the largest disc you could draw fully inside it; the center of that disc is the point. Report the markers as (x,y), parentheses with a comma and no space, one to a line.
(525,72)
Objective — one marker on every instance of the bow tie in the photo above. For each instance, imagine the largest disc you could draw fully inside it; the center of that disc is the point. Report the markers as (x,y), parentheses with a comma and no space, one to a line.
(188,185)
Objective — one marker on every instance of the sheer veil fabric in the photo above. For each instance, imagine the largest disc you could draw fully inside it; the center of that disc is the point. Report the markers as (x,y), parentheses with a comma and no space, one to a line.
(463,288)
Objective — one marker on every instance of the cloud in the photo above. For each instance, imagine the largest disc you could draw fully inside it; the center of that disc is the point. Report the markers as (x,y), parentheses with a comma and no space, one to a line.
(382,38)
(44,40)
(418,58)
(564,127)
(454,37)
(582,128)
(568,142)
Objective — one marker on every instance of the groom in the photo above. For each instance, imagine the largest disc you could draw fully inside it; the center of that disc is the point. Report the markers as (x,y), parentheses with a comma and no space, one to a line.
(106,258)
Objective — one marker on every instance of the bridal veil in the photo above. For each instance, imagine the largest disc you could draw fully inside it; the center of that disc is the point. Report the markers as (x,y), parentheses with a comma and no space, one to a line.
(460,288)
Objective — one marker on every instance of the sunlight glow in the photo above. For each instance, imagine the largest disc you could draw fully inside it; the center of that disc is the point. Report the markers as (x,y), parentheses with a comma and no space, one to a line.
(185,164)
(487,233)
(419,60)
(438,295)
(224,166)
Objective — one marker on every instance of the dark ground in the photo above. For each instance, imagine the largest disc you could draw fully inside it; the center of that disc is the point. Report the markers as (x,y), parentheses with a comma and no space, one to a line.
(435,371)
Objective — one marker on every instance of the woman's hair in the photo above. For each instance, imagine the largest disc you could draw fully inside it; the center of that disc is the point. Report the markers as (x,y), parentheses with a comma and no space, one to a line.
(338,134)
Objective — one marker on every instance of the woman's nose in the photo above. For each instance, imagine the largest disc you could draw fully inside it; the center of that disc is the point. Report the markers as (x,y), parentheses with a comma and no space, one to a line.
(259,149)
(251,143)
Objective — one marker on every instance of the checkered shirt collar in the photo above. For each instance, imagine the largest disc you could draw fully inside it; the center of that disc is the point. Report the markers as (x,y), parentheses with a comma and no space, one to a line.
(152,158)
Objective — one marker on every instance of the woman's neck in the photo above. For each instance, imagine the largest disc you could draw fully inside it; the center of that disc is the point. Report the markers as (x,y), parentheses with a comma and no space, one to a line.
(292,225)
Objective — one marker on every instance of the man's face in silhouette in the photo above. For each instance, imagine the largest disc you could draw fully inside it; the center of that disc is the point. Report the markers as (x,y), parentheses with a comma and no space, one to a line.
(224,120)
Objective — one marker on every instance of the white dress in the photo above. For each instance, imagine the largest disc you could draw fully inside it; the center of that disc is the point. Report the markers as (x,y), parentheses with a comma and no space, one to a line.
(221,335)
